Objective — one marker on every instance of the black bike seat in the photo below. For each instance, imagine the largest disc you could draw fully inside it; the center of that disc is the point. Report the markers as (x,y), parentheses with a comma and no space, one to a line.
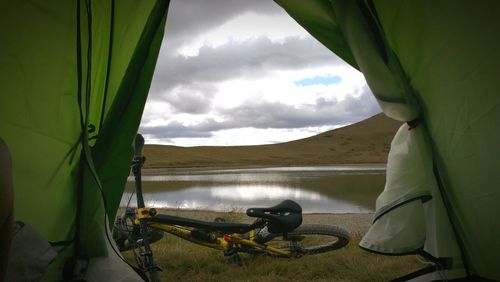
(283,217)
(283,207)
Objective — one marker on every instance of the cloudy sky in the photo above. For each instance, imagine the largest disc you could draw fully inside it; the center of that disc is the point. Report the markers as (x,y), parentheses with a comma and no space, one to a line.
(237,72)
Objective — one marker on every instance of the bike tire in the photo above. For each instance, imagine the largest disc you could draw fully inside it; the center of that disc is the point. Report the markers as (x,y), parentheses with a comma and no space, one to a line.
(339,237)
(309,239)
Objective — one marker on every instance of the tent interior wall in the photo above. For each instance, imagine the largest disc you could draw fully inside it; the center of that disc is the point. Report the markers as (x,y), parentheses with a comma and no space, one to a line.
(75,75)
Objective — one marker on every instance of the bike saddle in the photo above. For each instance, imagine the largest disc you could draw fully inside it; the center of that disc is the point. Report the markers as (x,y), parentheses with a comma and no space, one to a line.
(283,217)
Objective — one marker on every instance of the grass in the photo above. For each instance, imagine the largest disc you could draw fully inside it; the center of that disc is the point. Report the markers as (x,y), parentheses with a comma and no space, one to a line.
(182,260)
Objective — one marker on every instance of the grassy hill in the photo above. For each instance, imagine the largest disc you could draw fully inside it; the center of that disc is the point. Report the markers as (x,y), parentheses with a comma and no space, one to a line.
(367,141)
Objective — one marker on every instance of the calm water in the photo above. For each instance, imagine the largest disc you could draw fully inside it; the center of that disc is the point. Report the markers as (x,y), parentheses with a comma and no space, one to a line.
(333,189)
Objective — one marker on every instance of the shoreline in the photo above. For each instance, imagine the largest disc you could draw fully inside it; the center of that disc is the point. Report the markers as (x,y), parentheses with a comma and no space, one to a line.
(152,170)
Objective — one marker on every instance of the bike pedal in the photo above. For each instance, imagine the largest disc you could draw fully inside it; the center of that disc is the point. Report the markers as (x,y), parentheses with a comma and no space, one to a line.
(233,257)
(156,268)
(146,254)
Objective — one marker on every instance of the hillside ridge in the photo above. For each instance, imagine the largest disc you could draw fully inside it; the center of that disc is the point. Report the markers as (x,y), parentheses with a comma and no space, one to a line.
(367,141)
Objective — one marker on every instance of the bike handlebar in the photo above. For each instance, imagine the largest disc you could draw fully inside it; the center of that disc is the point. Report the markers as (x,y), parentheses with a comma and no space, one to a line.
(138,145)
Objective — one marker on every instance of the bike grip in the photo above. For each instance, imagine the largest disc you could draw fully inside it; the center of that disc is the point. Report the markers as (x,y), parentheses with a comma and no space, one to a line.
(139,143)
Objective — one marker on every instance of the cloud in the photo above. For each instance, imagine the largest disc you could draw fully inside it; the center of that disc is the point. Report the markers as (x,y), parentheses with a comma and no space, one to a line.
(174,130)
(325,111)
(253,69)
(252,58)
(276,115)
(190,100)
(188,19)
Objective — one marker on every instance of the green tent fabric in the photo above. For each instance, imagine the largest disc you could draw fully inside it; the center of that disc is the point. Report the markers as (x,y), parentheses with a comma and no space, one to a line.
(74,77)
(436,61)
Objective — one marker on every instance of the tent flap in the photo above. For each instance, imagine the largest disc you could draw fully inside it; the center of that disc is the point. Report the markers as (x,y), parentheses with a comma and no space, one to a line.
(74,79)
(112,152)
(318,19)
(391,233)
(439,63)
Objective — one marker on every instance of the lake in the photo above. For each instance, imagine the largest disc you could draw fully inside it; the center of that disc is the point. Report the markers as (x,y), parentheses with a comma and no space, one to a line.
(318,189)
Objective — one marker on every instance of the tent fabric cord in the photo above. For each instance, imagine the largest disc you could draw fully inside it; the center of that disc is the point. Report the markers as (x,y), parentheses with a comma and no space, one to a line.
(405,253)
(88,84)
(85,140)
(108,68)
(79,191)
(79,63)
(443,263)
(70,263)
(420,272)
(381,212)
(451,216)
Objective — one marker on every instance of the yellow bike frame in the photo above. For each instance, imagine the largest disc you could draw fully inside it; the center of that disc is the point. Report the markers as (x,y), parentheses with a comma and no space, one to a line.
(222,242)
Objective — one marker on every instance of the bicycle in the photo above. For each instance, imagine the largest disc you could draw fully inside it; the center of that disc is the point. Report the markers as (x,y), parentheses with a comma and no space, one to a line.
(277,231)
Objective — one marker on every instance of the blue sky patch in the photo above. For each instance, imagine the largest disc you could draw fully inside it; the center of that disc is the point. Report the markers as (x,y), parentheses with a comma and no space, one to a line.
(325,80)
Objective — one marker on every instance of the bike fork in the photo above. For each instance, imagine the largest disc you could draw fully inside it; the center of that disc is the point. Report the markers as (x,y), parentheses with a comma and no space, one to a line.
(149,265)
(137,163)
(231,253)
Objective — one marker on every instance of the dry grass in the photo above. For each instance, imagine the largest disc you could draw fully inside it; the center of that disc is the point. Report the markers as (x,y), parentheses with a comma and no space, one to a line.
(182,260)
(365,142)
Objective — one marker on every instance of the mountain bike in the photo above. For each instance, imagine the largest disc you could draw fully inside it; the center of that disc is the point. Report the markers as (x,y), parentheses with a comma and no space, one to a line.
(276,231)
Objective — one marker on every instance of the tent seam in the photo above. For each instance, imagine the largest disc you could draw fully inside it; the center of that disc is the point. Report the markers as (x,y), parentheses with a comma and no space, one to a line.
(400,202)
(108,68)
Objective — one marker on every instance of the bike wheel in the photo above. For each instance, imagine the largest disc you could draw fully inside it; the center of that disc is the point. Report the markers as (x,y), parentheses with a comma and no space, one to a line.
(312,239)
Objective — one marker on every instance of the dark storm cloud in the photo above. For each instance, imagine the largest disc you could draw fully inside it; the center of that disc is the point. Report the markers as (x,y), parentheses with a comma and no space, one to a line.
(189,18)
(191,100)
(265,115)
(174,130)
(366,105)
(325,112)
(251,58)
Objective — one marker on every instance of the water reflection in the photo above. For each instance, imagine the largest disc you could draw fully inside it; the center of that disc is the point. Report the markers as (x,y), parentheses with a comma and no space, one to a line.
(337,189)
(260,192)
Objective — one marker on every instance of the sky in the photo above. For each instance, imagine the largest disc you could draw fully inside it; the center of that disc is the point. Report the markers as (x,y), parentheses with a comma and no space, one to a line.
(238,72)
